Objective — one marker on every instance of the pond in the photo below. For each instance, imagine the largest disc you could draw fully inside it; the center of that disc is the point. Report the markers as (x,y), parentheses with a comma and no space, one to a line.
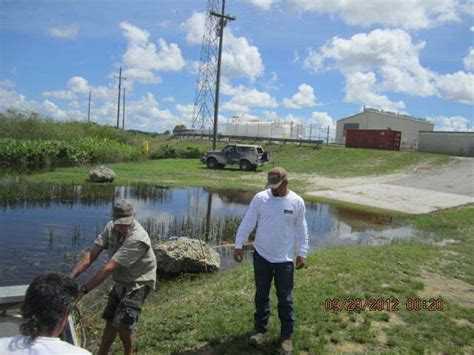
(46,227)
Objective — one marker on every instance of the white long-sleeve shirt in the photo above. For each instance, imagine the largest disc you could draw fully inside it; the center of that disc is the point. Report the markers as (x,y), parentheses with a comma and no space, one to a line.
(281,225)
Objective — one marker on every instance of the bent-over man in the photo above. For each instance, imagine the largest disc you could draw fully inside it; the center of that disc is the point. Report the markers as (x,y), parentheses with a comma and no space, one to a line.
(132,265)
(279,215)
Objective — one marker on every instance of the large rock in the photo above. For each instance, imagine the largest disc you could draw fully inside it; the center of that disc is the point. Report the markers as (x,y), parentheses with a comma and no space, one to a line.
(101,174)
(185,255)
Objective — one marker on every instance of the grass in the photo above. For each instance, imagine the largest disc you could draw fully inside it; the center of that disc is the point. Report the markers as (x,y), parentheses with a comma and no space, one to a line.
(302,162)
(214,313)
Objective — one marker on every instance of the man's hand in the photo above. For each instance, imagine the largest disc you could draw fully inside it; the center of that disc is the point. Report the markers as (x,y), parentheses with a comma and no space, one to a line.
(238,255)
(300,261)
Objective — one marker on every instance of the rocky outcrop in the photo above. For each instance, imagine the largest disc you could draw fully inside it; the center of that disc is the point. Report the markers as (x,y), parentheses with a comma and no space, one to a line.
(101,174)
(185,255)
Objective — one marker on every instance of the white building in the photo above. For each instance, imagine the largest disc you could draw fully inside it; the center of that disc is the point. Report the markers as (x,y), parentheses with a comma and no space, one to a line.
(375,119)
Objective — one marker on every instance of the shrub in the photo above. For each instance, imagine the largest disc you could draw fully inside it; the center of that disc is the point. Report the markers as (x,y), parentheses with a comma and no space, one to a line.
(41,155)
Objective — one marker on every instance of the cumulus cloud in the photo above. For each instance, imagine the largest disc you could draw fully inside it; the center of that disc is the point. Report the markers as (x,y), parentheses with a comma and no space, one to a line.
(303,98)
(414,14)
(7,84)
(243,98)
(453,124)
(239,57)
(64,32)
(263,4)
(469,60)
(194,27)
(79,86)
(458,86)
(361,87)
(142,58)
(321,119)
(146,114)
(385,61)
(168,99)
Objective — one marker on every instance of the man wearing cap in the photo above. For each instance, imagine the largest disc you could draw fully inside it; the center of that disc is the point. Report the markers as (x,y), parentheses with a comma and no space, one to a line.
(132,265)
(279,215)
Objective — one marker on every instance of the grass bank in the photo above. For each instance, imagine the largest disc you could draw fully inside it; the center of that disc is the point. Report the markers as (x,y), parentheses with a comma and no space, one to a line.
(302,162)
(214,313)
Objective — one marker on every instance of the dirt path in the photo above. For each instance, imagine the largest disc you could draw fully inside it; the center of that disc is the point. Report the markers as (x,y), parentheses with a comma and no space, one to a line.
(415,192)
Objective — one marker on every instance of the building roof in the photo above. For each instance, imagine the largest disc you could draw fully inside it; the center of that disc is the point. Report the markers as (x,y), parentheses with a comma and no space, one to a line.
(391,114)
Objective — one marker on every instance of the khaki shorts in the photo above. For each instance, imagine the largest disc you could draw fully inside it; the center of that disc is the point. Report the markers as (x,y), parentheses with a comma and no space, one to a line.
(124,309)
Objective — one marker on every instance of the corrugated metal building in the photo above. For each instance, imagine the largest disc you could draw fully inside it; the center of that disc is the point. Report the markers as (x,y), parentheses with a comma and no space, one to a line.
(375,119)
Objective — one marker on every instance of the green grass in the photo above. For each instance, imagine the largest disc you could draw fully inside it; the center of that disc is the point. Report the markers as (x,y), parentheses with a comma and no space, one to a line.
(300,161)
(216,312)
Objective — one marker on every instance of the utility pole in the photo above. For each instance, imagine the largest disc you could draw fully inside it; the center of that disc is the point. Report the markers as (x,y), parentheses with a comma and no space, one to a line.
(119,89)
(123,111)
(89,110)
(222,22)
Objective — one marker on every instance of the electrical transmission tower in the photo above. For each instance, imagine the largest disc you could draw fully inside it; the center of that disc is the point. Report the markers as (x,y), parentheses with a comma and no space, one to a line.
(205,89)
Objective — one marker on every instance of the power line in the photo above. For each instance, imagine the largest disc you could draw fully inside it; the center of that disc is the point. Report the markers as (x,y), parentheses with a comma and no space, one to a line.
(118,101)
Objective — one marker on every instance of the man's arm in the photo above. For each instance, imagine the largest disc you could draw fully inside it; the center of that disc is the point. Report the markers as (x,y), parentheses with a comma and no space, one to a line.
(301,238)
(246,227)
(101,275)
(87,259)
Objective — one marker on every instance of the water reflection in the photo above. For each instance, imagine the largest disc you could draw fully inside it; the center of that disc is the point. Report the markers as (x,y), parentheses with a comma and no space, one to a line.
(46,227)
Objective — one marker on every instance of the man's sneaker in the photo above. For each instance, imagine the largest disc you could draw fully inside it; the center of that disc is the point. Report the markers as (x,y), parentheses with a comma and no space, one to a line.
(256,339)
(286,347)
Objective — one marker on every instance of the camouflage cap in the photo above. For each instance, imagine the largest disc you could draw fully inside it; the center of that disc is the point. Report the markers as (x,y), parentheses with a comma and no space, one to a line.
(275,177)
(123,212)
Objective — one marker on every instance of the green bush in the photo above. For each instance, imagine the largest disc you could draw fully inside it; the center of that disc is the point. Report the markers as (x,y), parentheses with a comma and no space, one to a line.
(41,154)
(189,153)
(164,151)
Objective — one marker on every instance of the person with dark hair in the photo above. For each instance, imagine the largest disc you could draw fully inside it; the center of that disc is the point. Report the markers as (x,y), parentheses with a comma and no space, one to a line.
(282,232)
(132,265)
(48,301)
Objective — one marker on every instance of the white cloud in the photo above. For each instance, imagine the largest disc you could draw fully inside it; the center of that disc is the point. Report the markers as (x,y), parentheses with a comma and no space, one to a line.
(194,26)
(168,99)
(361,88)
(469,60)
(458,86)
(303,98)
(321,119)
(185,114)
(413,14)
(453,124)
(263,4)
(145,114)
(64,32)
(387,61)
(7,84)
(243,98)
(392,52)
(239,57)
(143,58)
(78,84)
(60,94)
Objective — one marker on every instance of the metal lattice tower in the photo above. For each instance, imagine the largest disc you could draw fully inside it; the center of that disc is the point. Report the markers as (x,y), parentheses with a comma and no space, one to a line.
(205,96)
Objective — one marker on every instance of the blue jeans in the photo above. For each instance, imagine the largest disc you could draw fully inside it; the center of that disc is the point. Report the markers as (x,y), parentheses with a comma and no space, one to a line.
(264,272)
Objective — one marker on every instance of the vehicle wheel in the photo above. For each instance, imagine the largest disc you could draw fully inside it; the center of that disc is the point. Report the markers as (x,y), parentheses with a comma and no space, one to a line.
(212,163)
(245,165)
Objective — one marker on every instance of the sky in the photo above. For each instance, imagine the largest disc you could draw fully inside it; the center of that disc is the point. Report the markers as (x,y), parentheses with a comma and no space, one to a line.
(313,61)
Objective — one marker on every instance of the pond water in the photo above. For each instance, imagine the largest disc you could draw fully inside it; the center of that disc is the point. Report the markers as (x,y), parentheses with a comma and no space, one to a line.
(46,227)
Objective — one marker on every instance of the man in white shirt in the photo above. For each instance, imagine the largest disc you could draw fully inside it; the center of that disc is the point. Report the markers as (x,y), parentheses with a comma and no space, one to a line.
(45,309)
(279,215)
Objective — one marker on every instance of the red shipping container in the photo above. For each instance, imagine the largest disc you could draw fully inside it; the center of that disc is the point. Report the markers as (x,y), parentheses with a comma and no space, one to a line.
(373,138)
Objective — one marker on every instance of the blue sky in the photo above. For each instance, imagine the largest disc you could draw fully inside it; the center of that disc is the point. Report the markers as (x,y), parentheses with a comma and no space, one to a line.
(312,61)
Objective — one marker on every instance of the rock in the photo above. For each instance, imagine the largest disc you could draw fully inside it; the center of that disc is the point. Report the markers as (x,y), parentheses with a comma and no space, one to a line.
(101,174)
(185,255)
